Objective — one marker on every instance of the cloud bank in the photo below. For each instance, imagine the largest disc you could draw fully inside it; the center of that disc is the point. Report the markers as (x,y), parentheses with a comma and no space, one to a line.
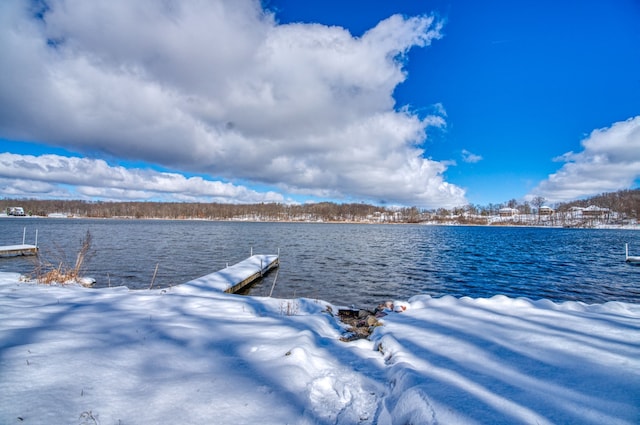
(221,88)
(609,161)
(93,178)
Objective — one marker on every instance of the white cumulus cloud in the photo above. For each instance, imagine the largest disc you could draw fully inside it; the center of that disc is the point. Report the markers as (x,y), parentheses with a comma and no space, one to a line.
(91,178)
(220,88)
(609,161)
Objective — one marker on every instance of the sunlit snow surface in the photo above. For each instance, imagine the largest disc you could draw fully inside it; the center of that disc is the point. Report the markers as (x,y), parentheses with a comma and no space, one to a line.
(71,355)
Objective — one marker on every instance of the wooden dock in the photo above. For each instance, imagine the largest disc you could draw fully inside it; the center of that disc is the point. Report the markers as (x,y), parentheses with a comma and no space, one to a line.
(22,249)
(233,278)
(17,250)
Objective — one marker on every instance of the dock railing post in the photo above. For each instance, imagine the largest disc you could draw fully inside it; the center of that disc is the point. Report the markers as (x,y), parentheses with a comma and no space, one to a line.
(251,252)
(36,237)
(626,251)
(24,235)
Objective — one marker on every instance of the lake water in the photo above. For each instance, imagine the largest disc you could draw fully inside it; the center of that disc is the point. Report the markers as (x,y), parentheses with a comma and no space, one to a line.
(347,264)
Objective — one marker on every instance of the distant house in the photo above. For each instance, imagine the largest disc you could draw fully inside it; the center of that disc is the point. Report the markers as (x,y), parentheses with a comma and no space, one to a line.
(545,210)
(16,211)
(507,212)
(575,212)
(595,212)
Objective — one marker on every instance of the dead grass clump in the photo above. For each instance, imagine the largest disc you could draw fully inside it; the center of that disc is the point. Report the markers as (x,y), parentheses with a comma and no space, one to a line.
(289,308)
(46,272)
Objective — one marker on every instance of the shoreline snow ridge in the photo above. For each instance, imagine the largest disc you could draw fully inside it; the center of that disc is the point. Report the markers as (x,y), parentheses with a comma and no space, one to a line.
(115,356)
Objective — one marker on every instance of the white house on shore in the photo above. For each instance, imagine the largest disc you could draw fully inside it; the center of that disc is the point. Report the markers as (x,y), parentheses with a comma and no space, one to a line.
(508,212)
(15,211)
(592,212)
(595,212)
(545,210)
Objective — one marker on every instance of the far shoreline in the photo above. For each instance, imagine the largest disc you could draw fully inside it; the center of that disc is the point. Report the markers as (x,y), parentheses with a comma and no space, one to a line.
(360,222)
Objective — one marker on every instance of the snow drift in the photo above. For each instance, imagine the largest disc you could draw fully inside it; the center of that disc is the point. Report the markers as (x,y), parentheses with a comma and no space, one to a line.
(113,356)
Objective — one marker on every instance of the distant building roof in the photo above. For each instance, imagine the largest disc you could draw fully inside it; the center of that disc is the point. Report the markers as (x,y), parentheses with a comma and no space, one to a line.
(595,208)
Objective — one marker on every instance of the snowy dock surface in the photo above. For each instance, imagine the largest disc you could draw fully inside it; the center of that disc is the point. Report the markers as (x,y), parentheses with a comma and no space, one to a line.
(233,278)
(16,250)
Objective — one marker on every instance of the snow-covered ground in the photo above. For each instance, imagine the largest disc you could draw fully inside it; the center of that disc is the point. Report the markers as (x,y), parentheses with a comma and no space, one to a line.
(71,355)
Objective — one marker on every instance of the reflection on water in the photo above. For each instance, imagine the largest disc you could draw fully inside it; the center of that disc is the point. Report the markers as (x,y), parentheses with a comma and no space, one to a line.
(348,264)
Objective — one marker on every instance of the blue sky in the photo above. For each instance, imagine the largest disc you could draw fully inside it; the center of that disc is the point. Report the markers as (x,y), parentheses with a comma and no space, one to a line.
(427,103)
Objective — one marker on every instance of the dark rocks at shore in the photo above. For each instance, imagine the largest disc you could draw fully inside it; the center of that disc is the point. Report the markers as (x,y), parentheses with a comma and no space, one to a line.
(362,322)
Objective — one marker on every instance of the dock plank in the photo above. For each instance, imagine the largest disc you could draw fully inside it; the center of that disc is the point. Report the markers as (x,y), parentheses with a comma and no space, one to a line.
(233,278)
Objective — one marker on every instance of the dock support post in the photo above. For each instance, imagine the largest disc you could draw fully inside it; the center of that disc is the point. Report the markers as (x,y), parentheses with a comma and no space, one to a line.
(274,283)
(24,235)
(36,238)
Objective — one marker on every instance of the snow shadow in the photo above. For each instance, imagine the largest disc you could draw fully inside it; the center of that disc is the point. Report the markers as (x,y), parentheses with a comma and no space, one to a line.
(180,355)
(145,356)
(512,361)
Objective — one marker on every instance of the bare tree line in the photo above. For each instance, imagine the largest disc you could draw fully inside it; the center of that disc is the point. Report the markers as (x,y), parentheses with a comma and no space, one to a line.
(625,204)
(323,211)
